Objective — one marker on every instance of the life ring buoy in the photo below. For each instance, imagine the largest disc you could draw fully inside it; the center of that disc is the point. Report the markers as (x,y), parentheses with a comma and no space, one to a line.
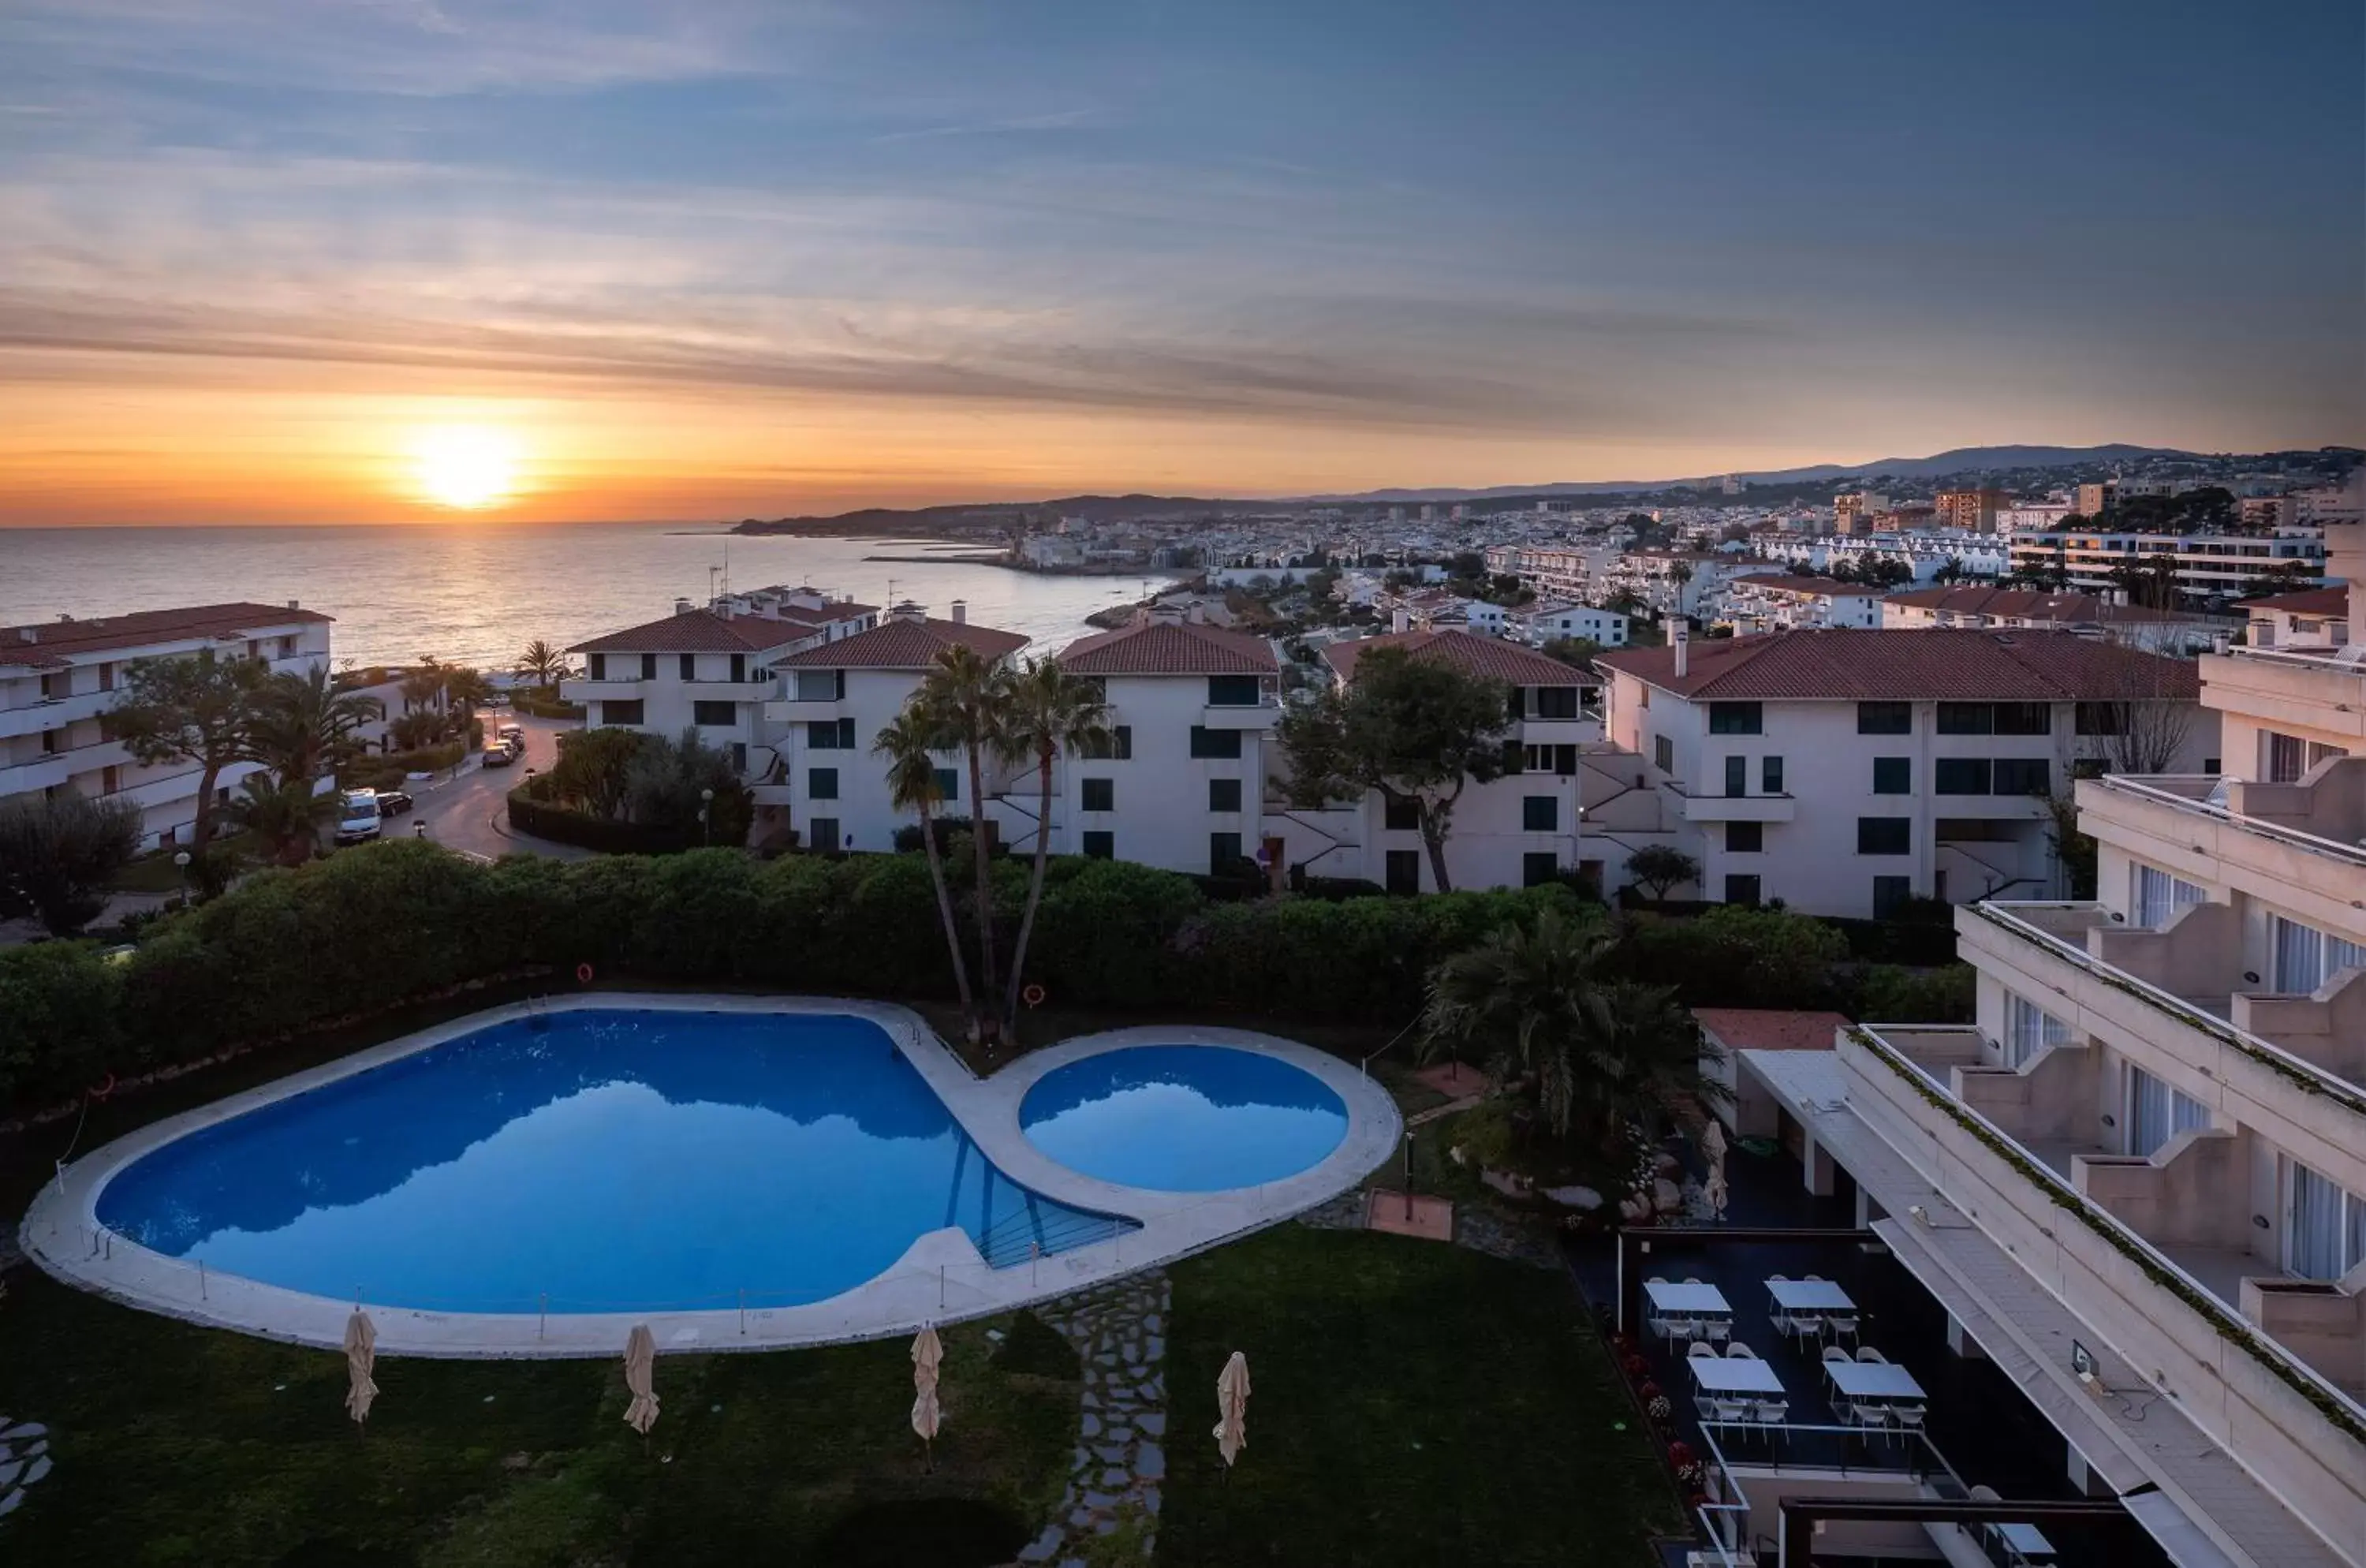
(583,974)
(1032,996)
(103,1090)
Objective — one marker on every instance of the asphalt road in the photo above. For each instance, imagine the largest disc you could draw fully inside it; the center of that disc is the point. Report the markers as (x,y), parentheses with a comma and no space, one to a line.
(467,813)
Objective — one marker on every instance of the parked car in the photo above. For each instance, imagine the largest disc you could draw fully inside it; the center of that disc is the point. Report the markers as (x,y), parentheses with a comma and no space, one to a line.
(513,732)
(357,816)
(393,803)
(498,754)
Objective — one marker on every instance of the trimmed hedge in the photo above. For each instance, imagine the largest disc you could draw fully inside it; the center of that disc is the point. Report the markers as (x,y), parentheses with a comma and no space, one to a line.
(561,824)
(390,922)
(388,770)
(537,708)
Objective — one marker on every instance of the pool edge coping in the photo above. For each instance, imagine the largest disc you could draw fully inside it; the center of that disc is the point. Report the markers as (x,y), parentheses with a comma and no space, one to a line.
(940,1278)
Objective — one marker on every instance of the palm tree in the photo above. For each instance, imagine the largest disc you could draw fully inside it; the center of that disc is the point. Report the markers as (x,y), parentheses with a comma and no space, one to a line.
(544,662)
(1537,1002)
(912,785)
(305,727)
(965,698)
(284,814)
(464,691)
(1051,711)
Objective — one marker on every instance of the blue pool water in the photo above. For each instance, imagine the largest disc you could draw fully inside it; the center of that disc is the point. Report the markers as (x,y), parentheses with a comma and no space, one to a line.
(615,1160)
(1184,1118)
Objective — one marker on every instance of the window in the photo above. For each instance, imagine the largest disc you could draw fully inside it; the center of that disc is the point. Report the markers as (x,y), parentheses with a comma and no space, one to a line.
(1893,776)
(111,779)
(2024,719)
(1737,775)
(1232,691)
(2159,896)
(1770,775)
(1100,844)
(826,835)
(738,667)
(1664,754)
(1115,744)
(1735,719)
(689,667)
(948,782)
(1885,718)
(1538,867)
(830,734)
(1402,871)
(715,714)
(1885,835)
(1959,775)
(614,712)
(820,685)
(2287,757)
(599,667)
(106,677)
(2096,719)
(1742,889)
(2157,1112)
(1221,744)
(648,666)
(1100,795)
(1556,702)
(1223,853)
(1224,795)
(1888,892)
(821,784)
(1401,816)
(2028,1028)
(740,756)
(2306,958)
(1540,814)
(1966,718)
(1745,837)
(2325,1228)
(2023,775)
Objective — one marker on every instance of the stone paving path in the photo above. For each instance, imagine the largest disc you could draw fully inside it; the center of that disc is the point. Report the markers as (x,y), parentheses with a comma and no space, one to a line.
(24,1458)
(1119,1334)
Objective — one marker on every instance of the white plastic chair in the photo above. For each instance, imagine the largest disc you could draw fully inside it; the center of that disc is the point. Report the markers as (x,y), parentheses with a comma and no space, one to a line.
(1717,1330)
(1868,1354)
(1698,1351)
(1839,1325)
(1834,1353)
(1907,1417)
(1771,1412)
(1739,1352)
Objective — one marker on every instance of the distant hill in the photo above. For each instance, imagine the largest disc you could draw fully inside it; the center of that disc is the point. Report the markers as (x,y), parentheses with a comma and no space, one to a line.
(1962,460)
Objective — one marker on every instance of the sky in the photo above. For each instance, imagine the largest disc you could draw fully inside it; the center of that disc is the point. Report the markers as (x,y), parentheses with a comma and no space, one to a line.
(278,260)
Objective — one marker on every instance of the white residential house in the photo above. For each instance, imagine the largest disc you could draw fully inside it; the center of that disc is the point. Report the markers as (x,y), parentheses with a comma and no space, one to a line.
(1516,830)
(1843,770)
(2106,614)
(58,678)
(1541,624)
(828,786)
(1784,602)
(1180,785)
(2138,1178)
(2315,617)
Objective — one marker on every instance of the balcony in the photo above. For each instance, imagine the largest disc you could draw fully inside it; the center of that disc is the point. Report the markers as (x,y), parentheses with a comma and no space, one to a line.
(1732,808)
(2292,688)
(1263,714)
(583,690)
(56,768)
(2253,1394)
(798,710)
(2172,999)
(2301,845)
(54,713)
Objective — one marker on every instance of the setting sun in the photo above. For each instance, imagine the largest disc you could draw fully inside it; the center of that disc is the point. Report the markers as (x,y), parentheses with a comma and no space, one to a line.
(466,466)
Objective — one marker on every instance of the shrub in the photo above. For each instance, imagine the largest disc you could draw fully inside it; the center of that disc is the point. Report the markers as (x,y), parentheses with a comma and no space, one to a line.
(387,769)
(1734,957)
(545,707)
(1888,993)
(61,1020)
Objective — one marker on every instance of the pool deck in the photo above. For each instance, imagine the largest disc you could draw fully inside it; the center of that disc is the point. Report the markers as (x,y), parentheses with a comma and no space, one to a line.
(940,1279)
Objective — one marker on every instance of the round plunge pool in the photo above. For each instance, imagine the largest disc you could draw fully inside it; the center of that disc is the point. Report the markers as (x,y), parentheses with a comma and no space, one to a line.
(1184,1118)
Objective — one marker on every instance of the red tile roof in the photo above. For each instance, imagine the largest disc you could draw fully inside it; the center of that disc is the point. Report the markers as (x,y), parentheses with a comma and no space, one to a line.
(53,643)
(1490,656)
(1769,1029)
(899,644)
(700,631)
(1167,647)
(1942,663)
(2333,601)
(2029,605)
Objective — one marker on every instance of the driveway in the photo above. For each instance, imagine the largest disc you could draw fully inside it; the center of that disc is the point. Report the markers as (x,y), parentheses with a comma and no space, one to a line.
(469,813)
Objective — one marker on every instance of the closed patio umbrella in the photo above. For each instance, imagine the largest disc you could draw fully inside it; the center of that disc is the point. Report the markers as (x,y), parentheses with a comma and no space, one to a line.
(361,1359)
(1716,1192)
(640,1374)
(1232,1401)
(928,1355)
(1712,1144)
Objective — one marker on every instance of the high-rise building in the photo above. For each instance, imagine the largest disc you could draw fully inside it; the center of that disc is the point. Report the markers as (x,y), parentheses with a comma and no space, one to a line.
(2092,499)
(1973,511)
(1854,511)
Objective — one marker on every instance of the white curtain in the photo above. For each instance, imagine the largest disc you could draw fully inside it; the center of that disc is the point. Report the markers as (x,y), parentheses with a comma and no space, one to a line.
(2307,957)
(2029,1029)
(2322,1232)
(2160,896)
(2157,1112)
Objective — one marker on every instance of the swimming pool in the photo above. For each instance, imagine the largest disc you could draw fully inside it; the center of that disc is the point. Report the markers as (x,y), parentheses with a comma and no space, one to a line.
(595,1160)
(1184,1118)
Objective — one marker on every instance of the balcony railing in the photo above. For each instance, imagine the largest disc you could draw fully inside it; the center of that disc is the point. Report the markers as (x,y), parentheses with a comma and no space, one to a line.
(2207,795)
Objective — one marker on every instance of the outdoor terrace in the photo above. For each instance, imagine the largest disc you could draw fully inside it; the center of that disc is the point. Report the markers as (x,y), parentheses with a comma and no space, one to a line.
(2300,844)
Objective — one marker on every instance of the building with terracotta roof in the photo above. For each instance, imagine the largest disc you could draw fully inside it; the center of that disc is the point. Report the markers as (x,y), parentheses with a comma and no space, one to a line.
(1845,771)
(1787,602)
(821,779)
(2315,617)
(1979,607)
(2138,1176)
(58,678)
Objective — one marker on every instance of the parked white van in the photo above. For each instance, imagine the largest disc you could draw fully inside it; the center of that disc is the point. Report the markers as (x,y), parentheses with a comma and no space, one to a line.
(357,816)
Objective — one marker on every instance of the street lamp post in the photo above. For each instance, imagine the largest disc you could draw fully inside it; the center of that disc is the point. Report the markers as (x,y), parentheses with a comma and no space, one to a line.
(705,816)
(181,861)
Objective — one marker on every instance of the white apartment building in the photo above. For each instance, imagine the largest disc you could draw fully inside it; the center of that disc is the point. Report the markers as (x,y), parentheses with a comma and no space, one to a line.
(827,784)
(1678,582)
(2315,617)
(1924,554)
(2106,614)
(711,670)
(1844,771)
(59,678)
(1541,624)
(1521,829)
(2208,565)
(1785,604)
(2138,1180)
